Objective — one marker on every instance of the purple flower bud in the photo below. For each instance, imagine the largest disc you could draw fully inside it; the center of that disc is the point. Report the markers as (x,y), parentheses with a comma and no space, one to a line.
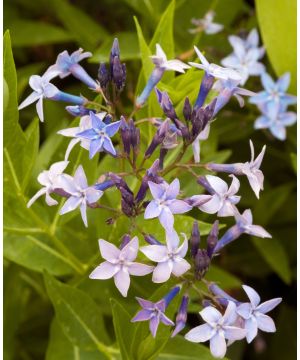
(119,74)
(206,85)
(187,109)
(202,262)
(162,154)
(181,315)
(212,238)
(222,296)
(166,104)
(151,239)
(127,208)
(114,52)
(125,240)
(171,294)
(103,76)
(195,239)
(183,129)
(104,185)
(78,110)
(231,234)
(125,135)
(158,137)
(134,136)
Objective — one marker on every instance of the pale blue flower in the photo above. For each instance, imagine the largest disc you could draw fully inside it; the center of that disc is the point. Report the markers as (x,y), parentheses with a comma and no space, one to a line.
(120,264)
(217,329)
(274,93)
(206,24)
(165,204)
(275,120)
(80,194)
(155,312)
(254,313)
(99,135)
(170,257)
(245,57)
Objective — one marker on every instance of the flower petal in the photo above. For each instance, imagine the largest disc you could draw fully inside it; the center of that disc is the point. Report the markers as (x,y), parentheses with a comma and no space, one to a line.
(265,323)
(179,206)
(104,271)
(153,325)
(212,206)
(108,251)
(122,282)
(71,204)
(217,184)
(40,193)
(210,315)
(180,266)
(233,333)
(142,315)
(108,146)
(138,269)
(252,295)
(152,210)
(251,327)
(34,96)
(80,178)
(157,190)
(166,218)
(200,333)
(244,310)
(269,305)
(162,272)
(172,190)
(112,128)
(39,109)
(157,253)
(129,251)
(218,345)
(83,213)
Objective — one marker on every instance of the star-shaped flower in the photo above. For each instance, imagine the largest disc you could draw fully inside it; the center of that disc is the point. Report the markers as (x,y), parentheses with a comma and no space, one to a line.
(120,264)
(222,199)
(160,60)
(49,179)
(214,70)
(165,203)
(170,257)
(274,92)
(99,135)
(275,119)
(85,124)
(245,223)
(254,313)
(206,24)
(217,330)
(80,193)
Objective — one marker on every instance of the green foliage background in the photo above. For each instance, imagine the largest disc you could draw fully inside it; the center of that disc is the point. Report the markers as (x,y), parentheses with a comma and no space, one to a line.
(51,309)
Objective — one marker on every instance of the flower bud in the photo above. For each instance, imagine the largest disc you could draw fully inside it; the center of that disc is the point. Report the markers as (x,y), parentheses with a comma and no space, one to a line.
(103,76)
(206,85)
(78,110)
(202,262)
(212,238)
(187,109)
(158,137)
(166,104)
(125,240)
(125,135)
(171,294)
(195,239)
(151,239)
(181,316)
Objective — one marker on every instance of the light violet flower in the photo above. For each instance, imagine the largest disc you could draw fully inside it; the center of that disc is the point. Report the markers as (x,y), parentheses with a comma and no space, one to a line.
(85,124)
(245,57)
(203,135)
(68,64)
(162,64)
(276,120)
(155,312)
(250,168)
(49,179)
(254,313)
(244,224)
(217,330)
(43,89)
(206,24)
(214,70)
(274,92)
(80,193)
(120,264)
(99,135)
(222,199)
(170,257)
(165,203)
(227,89)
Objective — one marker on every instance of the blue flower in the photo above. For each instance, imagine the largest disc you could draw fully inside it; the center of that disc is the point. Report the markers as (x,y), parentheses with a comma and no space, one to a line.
(206,24)
(100,135)
(275,120)
(274,93)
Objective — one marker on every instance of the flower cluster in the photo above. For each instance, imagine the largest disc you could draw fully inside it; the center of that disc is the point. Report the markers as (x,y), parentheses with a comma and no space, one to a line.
(183,262)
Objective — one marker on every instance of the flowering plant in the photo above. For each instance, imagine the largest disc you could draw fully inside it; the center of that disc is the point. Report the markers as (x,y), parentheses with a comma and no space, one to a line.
(140,178)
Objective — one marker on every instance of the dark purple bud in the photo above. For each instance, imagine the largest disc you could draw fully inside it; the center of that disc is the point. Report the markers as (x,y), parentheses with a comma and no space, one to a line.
(151,239)
(195,239)
(202,180)
(127,209)
(171,294)
(166,104)
(158,137)
(78,110)
(119,74)
(125,135)
(181,315)
(125,240)
(162,154)
(212,238)
(202,262)
(114,53)
(103,76)
(119,182)
(183,129)
(187,109)
(134,136)
(104,185)
(222,296)
(206,85)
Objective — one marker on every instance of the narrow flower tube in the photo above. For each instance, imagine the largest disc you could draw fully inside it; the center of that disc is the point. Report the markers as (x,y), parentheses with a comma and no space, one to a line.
(79,73)
(125,240)
(181,316)
(151,240)
(153,80)
(222,296)
(205,87)
(231,234)
(171,294)
(63,96)
(78,110)
(104,185)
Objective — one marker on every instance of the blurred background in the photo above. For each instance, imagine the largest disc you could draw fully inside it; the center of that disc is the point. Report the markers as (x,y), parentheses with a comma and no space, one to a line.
(39,31)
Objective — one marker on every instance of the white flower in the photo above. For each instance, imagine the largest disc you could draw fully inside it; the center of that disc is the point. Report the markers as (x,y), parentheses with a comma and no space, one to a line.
(42,88)
(170,257)
(49,179)
(85,124)
(161,61)
(254,313)
(120,264)
(245,222)
(206,24)
(217,329)
(214,70)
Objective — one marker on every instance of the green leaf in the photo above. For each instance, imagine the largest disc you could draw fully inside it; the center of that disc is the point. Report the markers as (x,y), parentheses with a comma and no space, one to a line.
(275,255)
(294,161)
(5,94)
(227,280)
(60,347)
(83,28)
(78,315)
(123,328)
(278,25)
(31,33)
